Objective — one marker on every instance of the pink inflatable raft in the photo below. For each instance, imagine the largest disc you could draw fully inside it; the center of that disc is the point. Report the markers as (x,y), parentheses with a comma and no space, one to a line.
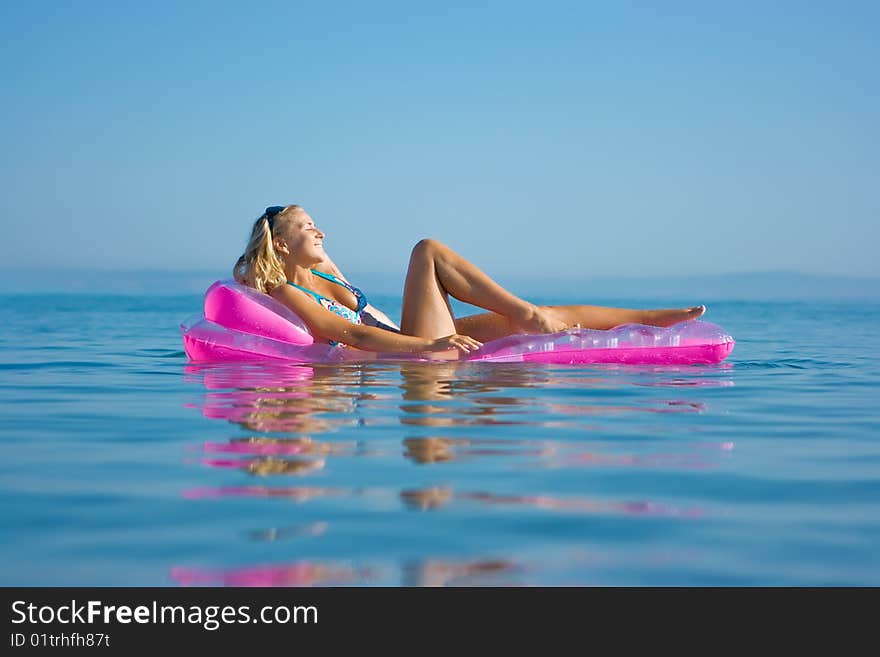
(242,324)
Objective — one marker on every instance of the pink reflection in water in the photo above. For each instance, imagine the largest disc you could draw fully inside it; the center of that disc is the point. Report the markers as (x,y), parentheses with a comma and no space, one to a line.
(296,493)
(301,573)
(265,374)
(268,465)
(273,397)
(425,572)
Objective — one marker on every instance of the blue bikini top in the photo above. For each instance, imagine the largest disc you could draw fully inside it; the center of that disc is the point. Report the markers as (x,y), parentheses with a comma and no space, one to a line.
(354,316)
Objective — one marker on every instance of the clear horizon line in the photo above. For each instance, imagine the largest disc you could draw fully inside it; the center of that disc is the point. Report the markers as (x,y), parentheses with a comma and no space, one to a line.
(205,270)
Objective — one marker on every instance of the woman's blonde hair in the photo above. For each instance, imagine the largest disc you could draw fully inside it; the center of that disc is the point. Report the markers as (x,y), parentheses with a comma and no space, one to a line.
(259,266)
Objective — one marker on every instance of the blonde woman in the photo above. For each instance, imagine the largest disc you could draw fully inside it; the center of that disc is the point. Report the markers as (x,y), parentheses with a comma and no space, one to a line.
(285,258)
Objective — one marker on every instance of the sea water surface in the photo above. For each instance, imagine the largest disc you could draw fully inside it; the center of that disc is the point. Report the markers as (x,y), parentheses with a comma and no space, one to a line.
(123,465)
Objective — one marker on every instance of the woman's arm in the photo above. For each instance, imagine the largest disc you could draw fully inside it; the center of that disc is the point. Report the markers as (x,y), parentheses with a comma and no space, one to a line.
(379,318)
(326,325)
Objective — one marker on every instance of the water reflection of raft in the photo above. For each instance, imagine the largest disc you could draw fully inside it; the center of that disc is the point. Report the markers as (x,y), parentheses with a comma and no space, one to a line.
(242,324)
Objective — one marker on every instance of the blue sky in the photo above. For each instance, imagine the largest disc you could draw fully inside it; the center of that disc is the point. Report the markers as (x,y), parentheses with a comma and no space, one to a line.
(575,139)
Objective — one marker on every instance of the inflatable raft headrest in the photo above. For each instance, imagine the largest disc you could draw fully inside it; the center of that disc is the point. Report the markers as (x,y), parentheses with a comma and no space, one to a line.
(245,309)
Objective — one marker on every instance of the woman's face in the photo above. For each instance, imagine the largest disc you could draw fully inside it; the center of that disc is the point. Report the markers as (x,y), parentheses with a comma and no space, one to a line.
(301,238)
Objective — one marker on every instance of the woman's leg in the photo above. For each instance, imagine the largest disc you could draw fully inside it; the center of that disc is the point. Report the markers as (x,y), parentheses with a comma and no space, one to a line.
(491,326)
(436,271)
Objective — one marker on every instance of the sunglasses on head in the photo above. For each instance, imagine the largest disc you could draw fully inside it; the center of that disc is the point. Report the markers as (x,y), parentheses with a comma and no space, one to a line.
(271,213)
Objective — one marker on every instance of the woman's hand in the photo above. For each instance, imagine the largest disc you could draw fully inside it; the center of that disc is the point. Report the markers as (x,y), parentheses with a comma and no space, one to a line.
(463,342)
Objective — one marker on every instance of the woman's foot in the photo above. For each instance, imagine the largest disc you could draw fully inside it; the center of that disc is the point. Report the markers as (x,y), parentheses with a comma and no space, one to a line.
(670,316)
(536,319)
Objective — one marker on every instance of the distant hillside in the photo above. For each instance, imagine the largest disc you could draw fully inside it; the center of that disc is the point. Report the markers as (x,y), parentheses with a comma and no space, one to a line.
(748,286)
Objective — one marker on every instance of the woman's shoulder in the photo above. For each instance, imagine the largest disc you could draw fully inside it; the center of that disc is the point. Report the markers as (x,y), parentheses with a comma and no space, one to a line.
(292,293)
(296,299)
(283,291)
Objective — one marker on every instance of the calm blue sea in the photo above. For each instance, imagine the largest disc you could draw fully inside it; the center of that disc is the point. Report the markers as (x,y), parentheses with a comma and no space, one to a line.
(123,465)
